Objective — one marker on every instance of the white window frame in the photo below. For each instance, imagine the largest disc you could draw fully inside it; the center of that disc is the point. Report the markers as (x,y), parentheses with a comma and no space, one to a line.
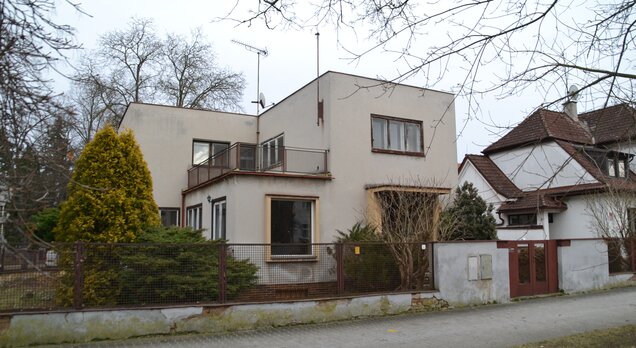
(272,150)
(194,216)
(171,210)
(219,222)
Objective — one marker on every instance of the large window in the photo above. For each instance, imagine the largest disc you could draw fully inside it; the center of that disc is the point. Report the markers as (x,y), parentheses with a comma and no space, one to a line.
(202,150)
(522,219)
(396,135)
(193,216)
(273,152)
(169,216)
(219,213)
(292,225)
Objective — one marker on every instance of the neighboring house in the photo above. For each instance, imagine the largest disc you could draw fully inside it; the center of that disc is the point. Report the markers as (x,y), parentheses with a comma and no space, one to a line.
(302,169)
(546,175)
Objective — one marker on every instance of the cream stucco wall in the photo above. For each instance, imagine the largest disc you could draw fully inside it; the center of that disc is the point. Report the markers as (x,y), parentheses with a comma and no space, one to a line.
(470,174)
(165,135)
(541,166)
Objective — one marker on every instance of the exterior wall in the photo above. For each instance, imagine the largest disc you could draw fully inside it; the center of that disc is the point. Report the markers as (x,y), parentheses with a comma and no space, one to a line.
(575,222)
(470,174)
(86,326)
(541,166)
(165,136)
(583,265)
(452,272)
(520,233)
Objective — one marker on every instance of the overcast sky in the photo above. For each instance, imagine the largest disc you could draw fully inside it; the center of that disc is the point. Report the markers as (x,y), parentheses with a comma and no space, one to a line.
(291,62)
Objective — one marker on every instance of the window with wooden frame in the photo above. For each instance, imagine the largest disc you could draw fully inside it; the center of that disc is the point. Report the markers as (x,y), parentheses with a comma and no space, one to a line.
(617,167)
(194,217)
(202,150)
(292,225)
(396,135)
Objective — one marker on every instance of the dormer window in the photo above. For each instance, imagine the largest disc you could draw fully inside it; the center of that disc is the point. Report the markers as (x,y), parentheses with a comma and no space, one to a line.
(617,167)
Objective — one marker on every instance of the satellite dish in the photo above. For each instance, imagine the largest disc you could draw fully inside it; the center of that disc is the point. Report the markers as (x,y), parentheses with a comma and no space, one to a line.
(261,99)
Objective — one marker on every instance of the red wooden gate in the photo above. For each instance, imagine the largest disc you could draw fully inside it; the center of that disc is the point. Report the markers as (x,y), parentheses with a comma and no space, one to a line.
(533,267)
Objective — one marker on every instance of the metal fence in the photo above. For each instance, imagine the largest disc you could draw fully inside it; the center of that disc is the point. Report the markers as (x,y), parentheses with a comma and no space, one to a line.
(621,255)
(92,275)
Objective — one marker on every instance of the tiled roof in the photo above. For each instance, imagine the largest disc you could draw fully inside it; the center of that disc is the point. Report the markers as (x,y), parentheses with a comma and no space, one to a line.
(532,201)
(495,177)
(541,125)
(611,124)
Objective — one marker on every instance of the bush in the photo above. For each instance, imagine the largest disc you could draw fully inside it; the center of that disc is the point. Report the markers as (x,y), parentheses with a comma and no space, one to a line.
(44,222)
(166,265)
(374,268)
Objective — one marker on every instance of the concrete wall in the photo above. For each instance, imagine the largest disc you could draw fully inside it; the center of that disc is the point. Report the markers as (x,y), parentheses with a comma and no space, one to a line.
(541,166)
(583,265)
(452,273)
(85,326)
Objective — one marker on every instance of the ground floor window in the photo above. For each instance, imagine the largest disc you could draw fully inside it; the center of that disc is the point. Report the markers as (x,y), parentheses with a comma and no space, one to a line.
(522,219)
(193,216)
(219,213)
(169,216)
(292,225)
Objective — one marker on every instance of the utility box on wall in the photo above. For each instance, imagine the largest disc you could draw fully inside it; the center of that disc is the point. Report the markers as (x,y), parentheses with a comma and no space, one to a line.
(480,267)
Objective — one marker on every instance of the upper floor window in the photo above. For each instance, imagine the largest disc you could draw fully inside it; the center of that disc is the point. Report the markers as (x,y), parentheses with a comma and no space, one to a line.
(617,167)
(273,152)
(394,135)
(202,150)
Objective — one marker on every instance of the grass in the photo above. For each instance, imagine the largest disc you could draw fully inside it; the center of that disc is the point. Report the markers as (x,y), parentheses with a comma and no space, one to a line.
(624,337)
(23,290)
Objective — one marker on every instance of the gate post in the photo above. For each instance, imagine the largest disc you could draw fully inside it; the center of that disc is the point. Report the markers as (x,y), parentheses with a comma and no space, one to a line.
(340,268)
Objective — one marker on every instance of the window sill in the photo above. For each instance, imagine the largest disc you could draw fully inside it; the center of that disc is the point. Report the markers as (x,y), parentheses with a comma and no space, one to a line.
(403,153)
(292,258)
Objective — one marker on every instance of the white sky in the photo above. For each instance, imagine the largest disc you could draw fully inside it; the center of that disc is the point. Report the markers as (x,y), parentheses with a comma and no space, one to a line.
(292,56)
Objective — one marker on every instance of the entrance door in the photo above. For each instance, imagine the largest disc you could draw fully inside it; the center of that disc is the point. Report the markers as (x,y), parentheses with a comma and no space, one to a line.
(533,268)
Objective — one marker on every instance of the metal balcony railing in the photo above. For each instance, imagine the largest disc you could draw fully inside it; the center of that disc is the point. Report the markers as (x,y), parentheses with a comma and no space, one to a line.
(254,158)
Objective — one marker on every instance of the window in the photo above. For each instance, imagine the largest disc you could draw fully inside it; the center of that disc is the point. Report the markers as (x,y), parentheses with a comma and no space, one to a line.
(522,219)
(273,152)
(193,216)
(617,167)
(292,224)
(202,150)
(396,135)
(169,216)
(219,212)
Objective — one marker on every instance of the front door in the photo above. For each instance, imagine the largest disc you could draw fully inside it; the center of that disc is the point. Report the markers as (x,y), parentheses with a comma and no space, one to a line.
(533,268)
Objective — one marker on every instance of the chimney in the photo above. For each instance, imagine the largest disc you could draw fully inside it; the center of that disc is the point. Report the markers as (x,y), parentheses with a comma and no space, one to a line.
(569,107)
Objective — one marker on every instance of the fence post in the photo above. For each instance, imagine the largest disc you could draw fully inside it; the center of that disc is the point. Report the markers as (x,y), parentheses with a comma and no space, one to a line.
(431,264)
(78,266)
(340,268)
(222,271)
(633,253)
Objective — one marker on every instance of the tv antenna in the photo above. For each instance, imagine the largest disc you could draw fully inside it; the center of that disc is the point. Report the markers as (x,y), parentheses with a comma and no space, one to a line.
(260,98)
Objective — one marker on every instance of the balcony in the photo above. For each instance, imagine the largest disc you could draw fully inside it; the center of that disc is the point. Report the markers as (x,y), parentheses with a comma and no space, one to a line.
(257,159)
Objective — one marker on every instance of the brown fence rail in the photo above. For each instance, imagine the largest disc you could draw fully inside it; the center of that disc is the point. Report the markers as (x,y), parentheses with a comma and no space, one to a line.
(91,275)
(621,255)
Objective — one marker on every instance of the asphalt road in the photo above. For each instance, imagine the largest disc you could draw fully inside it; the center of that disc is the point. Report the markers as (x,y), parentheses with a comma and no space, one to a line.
(502,325)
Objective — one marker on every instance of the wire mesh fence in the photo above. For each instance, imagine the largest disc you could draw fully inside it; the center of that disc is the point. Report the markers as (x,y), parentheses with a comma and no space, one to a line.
(94,275)
(621,255)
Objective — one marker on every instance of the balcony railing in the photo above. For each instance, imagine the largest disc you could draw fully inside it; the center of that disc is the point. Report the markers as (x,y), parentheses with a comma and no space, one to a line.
(259,159)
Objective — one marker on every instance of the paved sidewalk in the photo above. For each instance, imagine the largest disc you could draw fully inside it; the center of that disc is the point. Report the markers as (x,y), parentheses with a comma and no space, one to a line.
(484,326)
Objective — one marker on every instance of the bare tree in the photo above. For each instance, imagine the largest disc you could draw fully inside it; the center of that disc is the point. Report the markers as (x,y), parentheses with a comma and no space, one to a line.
(503,47)
(613,217)
(192,78)
(30,45)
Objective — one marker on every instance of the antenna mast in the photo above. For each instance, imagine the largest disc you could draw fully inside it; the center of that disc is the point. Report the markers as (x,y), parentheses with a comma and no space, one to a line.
(259,52)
